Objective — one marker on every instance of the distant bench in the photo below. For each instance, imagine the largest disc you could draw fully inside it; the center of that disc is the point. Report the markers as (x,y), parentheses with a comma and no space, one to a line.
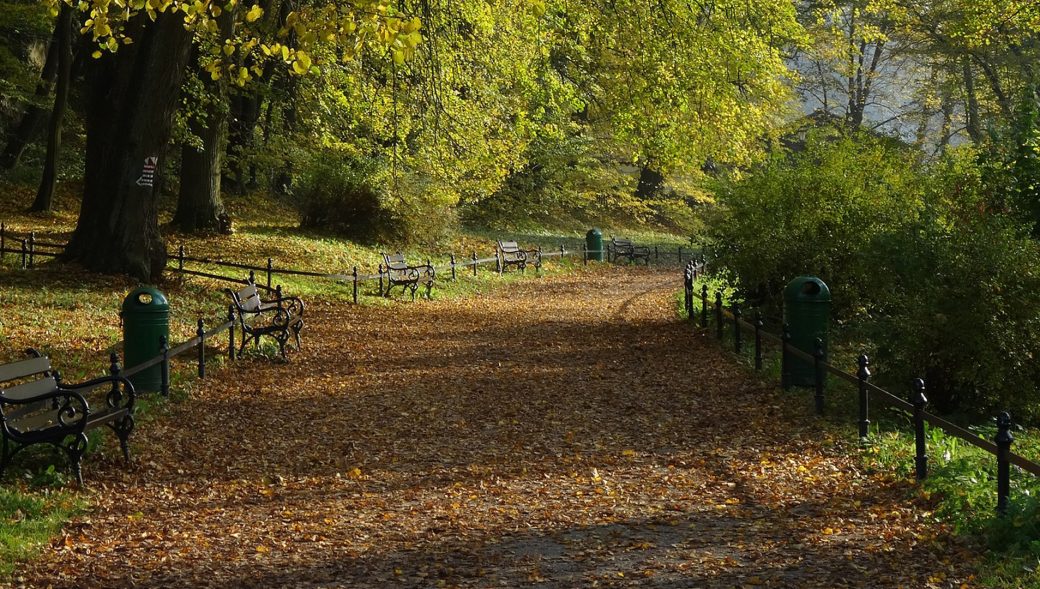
(36,407)
(624,248)
(408,277)
(510,254)
(279,319)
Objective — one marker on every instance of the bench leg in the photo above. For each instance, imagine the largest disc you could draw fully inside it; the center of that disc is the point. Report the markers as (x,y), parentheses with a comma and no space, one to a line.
(296,334)
(122,428)
(75,449)
(429,288)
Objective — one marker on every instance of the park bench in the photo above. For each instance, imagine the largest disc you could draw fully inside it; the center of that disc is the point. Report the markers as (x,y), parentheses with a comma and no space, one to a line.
(279,319)
(624,248)
(36,407)
(510,254)
(408,277)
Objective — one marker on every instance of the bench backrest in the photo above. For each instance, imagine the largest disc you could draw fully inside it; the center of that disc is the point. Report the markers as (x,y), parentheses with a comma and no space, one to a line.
(395,261)
(619,242)
(508,247)
(17,378)
(248,299)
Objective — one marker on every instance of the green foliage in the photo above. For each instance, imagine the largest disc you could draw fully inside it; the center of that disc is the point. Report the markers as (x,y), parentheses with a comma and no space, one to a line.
(343,195)
(815,212)
(928,270)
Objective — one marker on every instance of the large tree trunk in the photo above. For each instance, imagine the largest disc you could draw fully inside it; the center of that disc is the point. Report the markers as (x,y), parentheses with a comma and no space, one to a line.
(63,30)
(133,98)
(34,113)
(198,204)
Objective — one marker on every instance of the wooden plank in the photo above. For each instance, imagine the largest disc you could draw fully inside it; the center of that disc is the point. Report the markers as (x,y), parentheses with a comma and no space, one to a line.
(30,390)
(24,368)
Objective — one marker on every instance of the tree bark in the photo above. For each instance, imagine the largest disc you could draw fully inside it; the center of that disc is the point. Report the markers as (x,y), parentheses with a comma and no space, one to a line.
(129,118)
(974,130)
(199,206)
(34,113)
(63,30)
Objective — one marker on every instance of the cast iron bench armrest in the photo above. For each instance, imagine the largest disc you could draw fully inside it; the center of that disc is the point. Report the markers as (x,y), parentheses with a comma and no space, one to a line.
(280,319)
(408,276)
(36,407)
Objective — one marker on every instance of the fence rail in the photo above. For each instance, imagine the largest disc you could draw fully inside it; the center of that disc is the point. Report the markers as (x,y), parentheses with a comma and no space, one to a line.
(1000,447)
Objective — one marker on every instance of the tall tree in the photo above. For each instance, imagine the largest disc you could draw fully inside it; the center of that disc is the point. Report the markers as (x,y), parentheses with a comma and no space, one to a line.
(63,31)
(133,95)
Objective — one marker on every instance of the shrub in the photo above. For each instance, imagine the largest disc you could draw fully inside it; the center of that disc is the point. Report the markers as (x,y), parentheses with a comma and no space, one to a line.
(815,212)
(343,194)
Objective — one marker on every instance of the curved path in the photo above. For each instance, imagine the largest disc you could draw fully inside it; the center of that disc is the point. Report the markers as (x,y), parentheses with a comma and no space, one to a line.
(561,432)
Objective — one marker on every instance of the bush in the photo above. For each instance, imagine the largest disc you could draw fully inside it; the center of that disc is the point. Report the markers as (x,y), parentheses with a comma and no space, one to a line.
(816,212)
(962,307)
(343,194)
(928,269)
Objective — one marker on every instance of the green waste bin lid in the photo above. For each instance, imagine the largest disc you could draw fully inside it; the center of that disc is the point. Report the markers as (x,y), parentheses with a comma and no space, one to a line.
(809,289)
(145,298)
(594,233)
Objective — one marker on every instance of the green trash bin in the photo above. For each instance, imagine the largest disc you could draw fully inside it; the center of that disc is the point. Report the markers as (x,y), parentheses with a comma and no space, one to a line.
(594,244)
(807,313)
(146,319)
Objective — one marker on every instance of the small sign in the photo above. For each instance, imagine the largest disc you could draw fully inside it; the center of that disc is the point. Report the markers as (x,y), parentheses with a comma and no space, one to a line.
(148,171)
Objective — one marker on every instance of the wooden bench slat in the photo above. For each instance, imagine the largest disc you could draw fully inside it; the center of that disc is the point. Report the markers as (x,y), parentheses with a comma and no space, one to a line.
(24,368)
(29,390)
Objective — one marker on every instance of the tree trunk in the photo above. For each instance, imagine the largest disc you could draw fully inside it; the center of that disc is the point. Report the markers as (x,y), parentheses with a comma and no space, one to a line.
(129,117)
(651,182)
(974,130)
(63,30)
(199,206)
(34,113)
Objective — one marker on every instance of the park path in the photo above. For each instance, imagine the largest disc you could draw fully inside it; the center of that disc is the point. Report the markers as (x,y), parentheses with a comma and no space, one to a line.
(562,431)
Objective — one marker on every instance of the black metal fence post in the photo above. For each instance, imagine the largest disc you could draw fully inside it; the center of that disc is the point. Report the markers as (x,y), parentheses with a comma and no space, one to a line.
(452,257)
(25,254)
(657,254)
(32,249)
(270,267)
(563,251)
(252,277)
(1004,439)
(759,324)
(863,374)
(785,357)
(680,254)
(180,257)
(718,314)
(380,280)
(200,331)
(738,343)
(498,261)
(819,357)
(688,292)
(353,274)
(704,306)
(918,400)
(474,264)
(584,255)
(164,366)
(231,332)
